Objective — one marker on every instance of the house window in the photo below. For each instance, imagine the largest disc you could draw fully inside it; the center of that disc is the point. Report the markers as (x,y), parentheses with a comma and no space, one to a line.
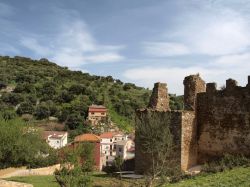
(115,138)
(107,157)
(102,113)
(114,146)
(57,141)
(92,113)
(110,140)
(120,149)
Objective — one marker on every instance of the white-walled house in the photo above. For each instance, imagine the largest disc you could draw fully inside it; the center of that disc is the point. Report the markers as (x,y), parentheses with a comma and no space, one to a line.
(108,144)
(125,149)
(56,139)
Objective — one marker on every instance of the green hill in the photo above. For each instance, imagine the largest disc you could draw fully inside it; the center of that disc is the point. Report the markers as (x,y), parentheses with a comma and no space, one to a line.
(44,89)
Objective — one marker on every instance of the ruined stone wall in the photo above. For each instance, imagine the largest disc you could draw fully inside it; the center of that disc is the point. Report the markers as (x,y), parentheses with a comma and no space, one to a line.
(142,160)
(188,140)
(159,99)
(193,84)
(223,121)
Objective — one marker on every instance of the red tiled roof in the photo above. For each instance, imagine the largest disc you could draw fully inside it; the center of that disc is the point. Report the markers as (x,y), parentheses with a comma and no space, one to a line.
(97,108)
(108,134)
(53,134)
(87,138)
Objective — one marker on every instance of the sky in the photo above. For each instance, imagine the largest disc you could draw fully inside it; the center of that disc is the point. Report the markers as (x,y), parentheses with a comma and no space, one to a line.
(138,41)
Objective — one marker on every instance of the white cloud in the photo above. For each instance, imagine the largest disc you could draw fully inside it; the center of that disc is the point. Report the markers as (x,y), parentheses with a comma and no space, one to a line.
(206,31)
(216,71)
(33,44)
(220,36)
(165,49)
(73,46)
(239,61)
(147,76)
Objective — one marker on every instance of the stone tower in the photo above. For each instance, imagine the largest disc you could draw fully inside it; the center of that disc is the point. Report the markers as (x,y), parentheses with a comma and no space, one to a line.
(193,84)
(159,99)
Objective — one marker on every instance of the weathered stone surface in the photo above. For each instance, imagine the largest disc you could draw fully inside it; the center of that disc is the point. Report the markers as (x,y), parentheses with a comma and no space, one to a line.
(223,120)
(214,122)
(159,99)
(193,84)
(188,140)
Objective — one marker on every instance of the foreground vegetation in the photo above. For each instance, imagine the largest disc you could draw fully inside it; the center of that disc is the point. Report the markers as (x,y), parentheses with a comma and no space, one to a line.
(21,145)
(239,177)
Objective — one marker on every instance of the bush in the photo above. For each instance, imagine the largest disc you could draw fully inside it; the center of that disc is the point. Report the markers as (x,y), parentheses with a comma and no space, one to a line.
(42,111)
(81,158)
(225,163)
(8,114)
(20,145)
(45,160)
(25,108)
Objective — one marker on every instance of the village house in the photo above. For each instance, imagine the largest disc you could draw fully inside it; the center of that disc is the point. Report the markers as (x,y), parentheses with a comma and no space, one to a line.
(56,139)
(97,113)
(125,149)
(108,144)
(99,158)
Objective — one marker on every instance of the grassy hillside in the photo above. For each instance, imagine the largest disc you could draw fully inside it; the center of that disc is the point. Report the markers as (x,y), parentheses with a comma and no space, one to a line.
(44,89)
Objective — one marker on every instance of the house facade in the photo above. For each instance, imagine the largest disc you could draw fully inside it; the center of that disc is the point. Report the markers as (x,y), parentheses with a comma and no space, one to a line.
(109,142)
(56,139)
(97,113)
(99,158)
(125,149)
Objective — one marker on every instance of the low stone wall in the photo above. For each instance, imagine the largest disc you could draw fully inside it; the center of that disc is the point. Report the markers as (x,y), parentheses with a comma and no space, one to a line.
(4,183)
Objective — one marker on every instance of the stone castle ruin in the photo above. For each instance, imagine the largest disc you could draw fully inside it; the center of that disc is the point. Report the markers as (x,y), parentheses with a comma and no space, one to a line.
(213,122)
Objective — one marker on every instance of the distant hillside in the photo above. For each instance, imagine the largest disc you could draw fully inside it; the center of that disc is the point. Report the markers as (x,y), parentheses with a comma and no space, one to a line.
(44,89)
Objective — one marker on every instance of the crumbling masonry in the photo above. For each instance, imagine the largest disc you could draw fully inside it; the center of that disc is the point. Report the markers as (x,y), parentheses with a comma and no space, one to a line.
(213,122)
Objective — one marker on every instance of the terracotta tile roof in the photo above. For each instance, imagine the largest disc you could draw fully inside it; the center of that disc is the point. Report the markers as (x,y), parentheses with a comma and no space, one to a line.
(97,108)
(53,134)
(108,134)
(87,138)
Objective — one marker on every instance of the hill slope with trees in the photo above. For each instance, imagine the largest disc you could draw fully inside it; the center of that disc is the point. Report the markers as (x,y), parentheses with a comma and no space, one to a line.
(42,89)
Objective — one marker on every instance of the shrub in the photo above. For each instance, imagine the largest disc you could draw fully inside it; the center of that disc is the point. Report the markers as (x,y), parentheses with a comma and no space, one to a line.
(20,144)
(228,161)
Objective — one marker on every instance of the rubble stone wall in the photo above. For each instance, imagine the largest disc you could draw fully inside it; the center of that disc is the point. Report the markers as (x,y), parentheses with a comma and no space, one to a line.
(188,140)
(223,121)
(193,84)
(159,99)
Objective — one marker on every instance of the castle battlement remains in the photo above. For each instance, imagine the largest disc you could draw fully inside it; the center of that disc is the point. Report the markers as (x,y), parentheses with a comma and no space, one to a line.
(214,122)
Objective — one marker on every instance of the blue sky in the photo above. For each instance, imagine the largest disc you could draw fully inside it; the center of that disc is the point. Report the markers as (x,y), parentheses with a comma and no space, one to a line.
(139,41)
